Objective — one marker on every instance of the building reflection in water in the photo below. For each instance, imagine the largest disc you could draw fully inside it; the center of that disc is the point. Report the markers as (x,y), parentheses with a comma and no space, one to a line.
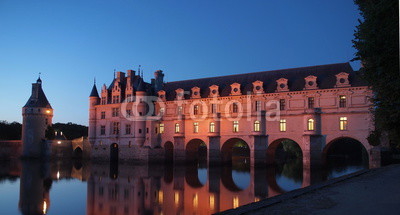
(157,189)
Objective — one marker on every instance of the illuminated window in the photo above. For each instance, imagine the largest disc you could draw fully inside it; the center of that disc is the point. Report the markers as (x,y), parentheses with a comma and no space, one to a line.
(196,127)
(115,112)
(342,101)
(235,108)
(176,198)
(179,110)
(258,106)
(235,202)
(161,128)
(196,109)
(127,129)
(310,102)
(212,127)
(195,200)
(257,126)
(282,125)
(282,104)
(343,123)
(177,130)
(160,196)
(310,125)
(236,126)
(213,108)
(212,202)
(115,128)
(162,111)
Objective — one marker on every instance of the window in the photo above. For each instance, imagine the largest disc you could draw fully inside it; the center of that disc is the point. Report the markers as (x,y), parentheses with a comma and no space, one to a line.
(212,127)
(282,104)
(213,108)
(161,128)
(115,112)
(258,105)
(342,101)
(343,123)
(179,110)
(103,115)
(115,99)
(127,129)
(162,111)
(128,97)
(236,126)
(310,102)
(235,107)
(115,128)
(196,110)
(310,125)
(196,127)
(147,130)
(282,125)
(177,130)
(140,131)
(257,126)
(103,100)
(102,130)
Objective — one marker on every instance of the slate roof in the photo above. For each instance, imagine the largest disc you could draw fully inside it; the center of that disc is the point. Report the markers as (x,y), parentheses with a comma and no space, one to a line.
(325,79)
(39,102)
(94,92)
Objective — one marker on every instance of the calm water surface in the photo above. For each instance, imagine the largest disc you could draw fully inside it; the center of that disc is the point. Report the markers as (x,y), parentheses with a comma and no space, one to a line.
(96,189)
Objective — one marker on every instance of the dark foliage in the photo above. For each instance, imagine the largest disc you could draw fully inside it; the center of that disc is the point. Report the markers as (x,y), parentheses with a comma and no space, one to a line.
(377,42)
(10,131)
(71,130)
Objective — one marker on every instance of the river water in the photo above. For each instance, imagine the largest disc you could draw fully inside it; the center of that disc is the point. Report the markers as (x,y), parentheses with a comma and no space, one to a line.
(74,187)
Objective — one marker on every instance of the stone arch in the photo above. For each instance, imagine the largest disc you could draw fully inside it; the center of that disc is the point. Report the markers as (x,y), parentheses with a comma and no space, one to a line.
(346,147)
(114,152)
(274,145)
(169,151)
(77,153)
(196,151)
(228,180)
(234,147)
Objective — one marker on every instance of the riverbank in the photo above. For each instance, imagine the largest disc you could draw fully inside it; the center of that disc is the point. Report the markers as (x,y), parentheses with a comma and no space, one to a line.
(375,191)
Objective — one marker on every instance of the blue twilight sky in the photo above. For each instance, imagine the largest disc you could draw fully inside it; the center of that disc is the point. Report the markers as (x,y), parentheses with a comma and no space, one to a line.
(70,42)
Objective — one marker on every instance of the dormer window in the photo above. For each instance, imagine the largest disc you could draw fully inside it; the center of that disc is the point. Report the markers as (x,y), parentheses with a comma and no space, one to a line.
(179,94)
(258,87)
(282,85)
(161,95)
(342,80)
(235,89)
(311,83)
(214,91)
(196,93)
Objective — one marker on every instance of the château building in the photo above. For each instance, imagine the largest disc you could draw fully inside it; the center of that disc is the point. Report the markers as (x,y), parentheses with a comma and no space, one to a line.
(316,107)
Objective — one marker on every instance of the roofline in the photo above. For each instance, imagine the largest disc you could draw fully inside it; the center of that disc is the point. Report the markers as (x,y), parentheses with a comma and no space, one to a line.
(261,72)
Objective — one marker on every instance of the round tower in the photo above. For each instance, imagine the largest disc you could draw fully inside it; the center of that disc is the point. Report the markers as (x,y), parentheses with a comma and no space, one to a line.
(94,100)
(37,115)
(141,111)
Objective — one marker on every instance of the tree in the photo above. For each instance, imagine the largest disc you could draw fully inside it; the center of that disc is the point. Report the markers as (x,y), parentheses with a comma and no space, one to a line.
(377,42)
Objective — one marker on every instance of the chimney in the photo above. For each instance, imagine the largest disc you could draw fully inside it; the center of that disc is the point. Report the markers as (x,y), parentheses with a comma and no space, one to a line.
(130,73)
(120,75)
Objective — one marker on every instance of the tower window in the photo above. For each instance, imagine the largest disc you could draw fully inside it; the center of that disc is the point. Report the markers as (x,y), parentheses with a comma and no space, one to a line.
(161,128)
(196,127)
(212,127)
(196,110)
(282,125)
(311,125)
(177,129)
(310,102)
(257,125)
(127,129)
(102,130)
(343,123)
(235,108)
(236,126)
(342,101)
(282,104)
